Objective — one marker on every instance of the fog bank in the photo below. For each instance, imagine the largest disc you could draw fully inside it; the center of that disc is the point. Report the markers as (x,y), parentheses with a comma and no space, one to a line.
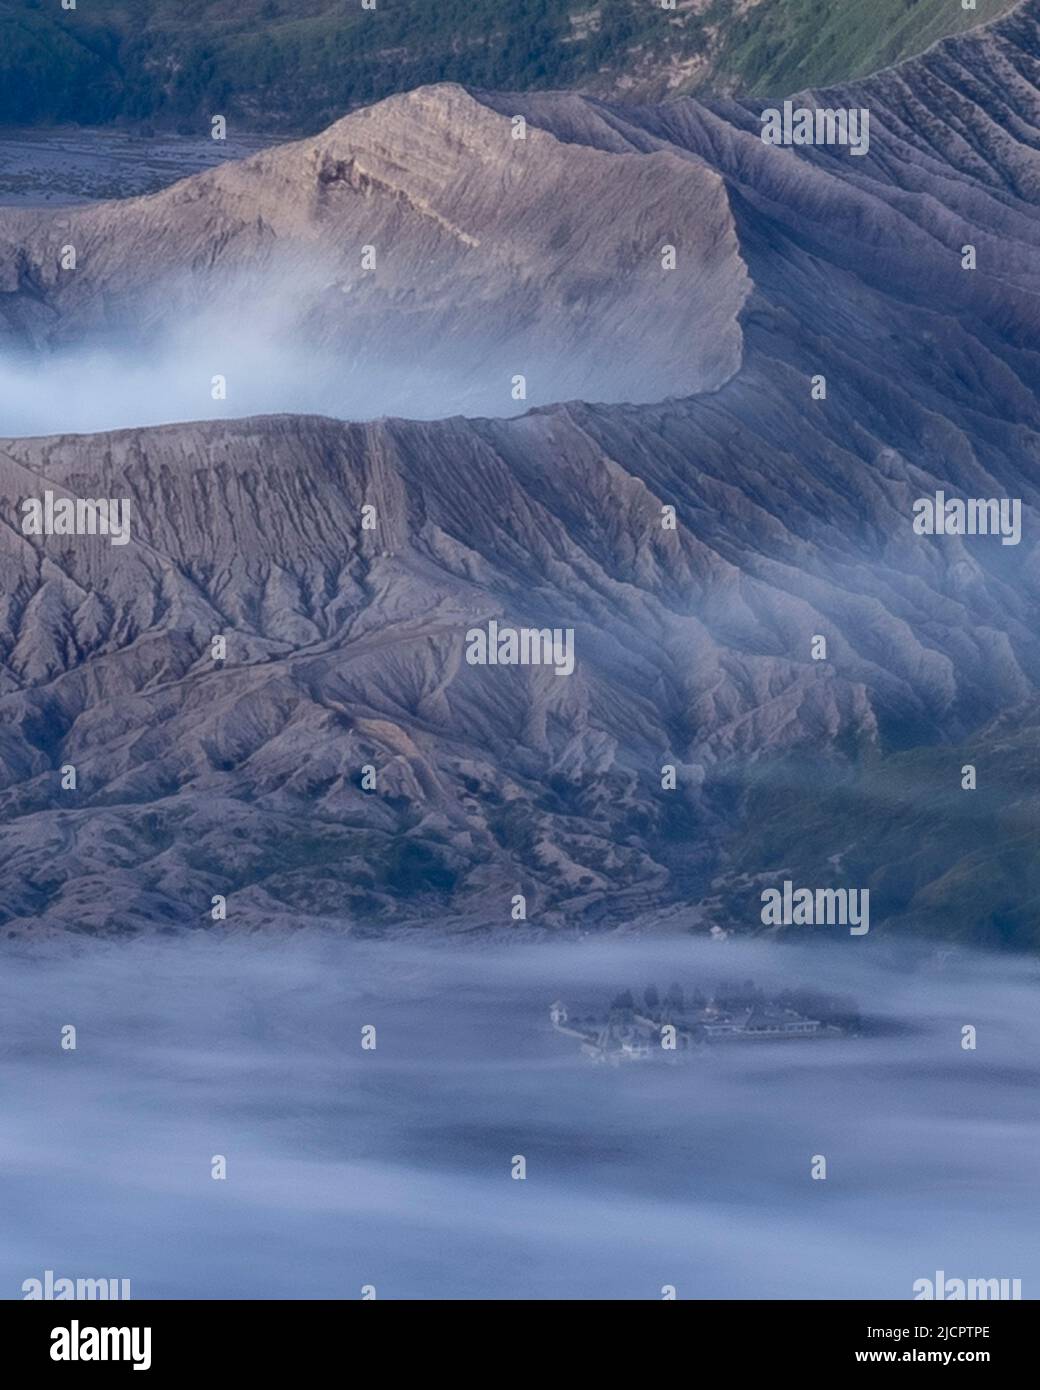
(392,1167)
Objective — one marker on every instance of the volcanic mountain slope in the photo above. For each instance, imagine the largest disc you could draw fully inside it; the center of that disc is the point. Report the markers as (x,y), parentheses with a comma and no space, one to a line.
(346,650)
(941,861)
(243,777)
(421,248)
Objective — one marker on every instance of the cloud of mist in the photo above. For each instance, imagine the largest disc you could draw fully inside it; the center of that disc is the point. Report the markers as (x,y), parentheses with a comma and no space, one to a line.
(392,1167)
(86,391)
(295,336)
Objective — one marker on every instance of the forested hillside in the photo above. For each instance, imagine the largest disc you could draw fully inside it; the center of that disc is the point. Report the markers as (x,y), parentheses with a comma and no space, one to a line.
(295,65)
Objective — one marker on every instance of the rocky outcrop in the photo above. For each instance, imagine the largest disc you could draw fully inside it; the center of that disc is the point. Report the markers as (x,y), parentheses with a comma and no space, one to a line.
(420,250)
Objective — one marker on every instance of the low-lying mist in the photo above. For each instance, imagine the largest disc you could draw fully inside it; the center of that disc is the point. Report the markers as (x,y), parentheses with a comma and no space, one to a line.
(392,1167)
(90,390)
(296,336)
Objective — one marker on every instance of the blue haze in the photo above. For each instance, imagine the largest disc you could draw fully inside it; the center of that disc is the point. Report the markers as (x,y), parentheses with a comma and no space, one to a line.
(392,1167)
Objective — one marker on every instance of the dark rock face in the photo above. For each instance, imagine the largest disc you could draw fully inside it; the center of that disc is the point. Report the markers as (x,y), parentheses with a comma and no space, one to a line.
(346,647)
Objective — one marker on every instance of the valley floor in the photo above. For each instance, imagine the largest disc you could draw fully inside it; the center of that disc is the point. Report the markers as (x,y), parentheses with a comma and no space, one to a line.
(66,165)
